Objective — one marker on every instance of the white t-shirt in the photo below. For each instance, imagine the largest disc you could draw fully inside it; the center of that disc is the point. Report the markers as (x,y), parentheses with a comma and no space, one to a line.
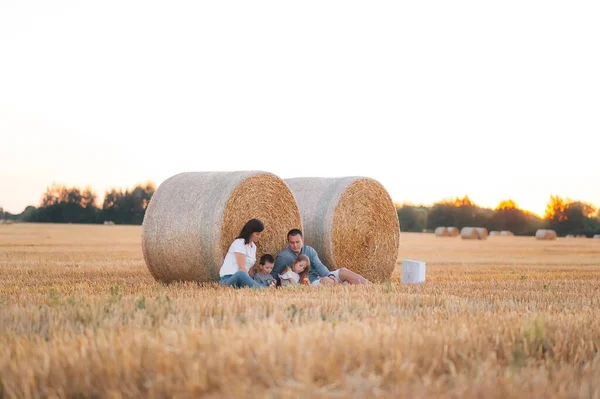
(230,265)
(289,278)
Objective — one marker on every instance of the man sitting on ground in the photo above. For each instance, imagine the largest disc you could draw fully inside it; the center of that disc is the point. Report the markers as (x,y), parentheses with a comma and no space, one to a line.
(319,273)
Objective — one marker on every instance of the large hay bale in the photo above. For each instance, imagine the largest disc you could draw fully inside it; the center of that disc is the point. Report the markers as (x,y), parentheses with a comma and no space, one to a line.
(194,217)
(483,233)
(441,232)
(494,233)
(351,222)
(506,233)
(545,234)
(469,233)
(453,232)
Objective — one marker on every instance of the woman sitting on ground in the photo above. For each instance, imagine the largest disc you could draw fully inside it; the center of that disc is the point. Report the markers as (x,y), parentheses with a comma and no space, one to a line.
(241,256)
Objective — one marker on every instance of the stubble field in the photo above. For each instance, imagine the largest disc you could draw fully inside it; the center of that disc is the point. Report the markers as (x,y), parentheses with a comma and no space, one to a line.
(80,316)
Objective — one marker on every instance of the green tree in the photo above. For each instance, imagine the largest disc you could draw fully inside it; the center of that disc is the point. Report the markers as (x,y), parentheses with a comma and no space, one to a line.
(412,218)
(127,207)
(508,216)
(460,212)
(61,204)
(568,217)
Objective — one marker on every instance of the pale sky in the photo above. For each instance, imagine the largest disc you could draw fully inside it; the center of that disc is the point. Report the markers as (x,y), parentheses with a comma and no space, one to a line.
(434,99)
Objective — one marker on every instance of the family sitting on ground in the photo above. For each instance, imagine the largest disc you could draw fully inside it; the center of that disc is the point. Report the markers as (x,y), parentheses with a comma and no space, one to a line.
(298,264)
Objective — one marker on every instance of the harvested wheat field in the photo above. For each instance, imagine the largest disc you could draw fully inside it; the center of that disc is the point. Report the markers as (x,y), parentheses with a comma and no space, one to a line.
(81,316)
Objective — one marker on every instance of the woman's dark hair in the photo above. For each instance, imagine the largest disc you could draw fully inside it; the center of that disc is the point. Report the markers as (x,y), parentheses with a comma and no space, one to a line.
(252,226)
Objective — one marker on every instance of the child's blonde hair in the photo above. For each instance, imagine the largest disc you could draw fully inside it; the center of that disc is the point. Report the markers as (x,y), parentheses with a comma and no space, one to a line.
(302,258)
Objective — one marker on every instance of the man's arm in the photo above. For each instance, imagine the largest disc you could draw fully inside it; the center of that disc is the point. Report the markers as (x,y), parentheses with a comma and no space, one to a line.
(315,262)
(280,263)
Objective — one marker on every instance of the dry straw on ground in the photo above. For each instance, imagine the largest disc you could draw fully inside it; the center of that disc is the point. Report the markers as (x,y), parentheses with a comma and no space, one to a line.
(469,233)
(351,222)
(194,217)
(545,234)
(81,317)
(453,232)
(441,232)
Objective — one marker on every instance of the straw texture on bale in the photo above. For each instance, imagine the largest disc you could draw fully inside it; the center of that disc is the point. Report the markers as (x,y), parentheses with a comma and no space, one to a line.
(507,233)
(483,233)
(469,233)
(545,234)
(193,218)
(442,232)
(453,232)
(494,233)
(351,222)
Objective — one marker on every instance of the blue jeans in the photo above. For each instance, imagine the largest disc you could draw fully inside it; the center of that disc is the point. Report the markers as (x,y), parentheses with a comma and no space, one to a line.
(238,280)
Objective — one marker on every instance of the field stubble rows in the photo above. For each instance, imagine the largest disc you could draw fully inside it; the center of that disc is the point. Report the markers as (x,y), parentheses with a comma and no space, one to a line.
(509,316)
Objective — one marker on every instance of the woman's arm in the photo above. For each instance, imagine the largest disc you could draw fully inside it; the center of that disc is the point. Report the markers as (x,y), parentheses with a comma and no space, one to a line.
(241,261)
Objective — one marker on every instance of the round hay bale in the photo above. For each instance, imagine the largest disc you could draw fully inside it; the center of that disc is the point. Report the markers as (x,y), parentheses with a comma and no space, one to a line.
(569,236)
(494,233)
(545,234)
(580,236)
(483,233)
(506,233)
(453,232)
(469,233)
(596,236)
(441,232)
(193,218)
(351,222)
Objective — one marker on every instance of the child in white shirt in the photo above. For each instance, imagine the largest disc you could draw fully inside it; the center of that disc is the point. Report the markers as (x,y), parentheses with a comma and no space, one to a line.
(297,273)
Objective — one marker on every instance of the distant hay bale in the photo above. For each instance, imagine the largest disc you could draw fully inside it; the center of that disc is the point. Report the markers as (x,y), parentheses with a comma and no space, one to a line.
(596,236)
(506,233)
(580,236)
(351,222)
(193,218)
(483,233)
(453,232)
(441,232)
(569,236)
(494,233)
(545,234)
(469,233)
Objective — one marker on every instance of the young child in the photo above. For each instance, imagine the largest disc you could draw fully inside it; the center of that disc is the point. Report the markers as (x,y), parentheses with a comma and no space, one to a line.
(263,271)
(297,273)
